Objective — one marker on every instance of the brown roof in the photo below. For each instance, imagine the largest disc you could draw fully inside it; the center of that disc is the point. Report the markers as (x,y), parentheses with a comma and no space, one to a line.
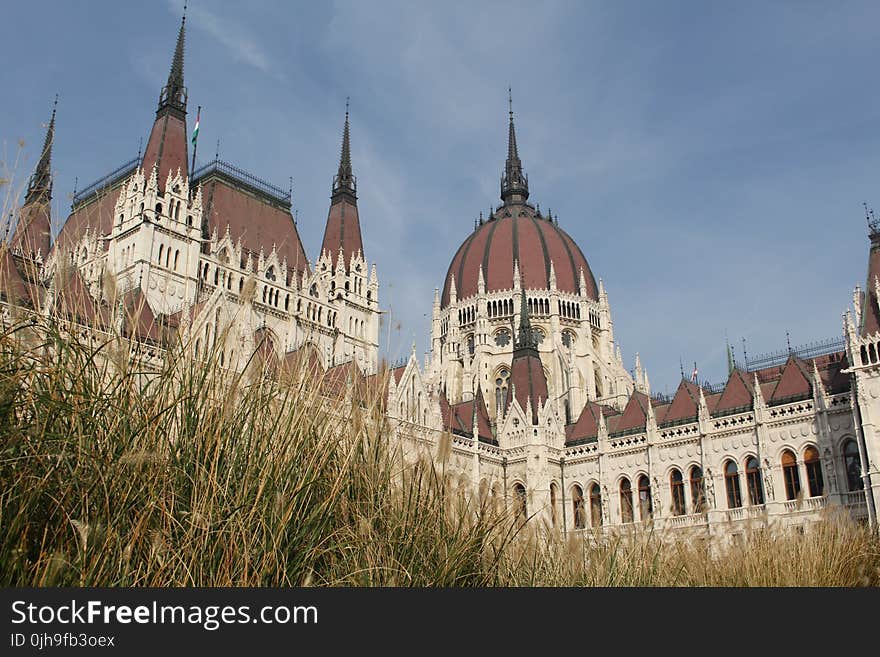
(343,230)
(140,321)
(870,308)
(167,146)
(459,418)
(529,381)
(738,393)
(12,286)
(534,242)
(97,213)
(33,228)
(587,425)
(73,300)
(634,414)
(685,405)
(259,223)
(794,382)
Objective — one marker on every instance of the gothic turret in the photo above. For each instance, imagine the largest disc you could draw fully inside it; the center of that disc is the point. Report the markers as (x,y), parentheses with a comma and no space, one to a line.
(514,183)
(526,371)
(32,231)
(342,235)
(167,146)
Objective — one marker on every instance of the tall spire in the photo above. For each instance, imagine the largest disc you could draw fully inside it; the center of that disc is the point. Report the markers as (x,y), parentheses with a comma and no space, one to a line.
(525,339)
(514,183)
(174,92)
(40,184)
(344,181)
(342,234)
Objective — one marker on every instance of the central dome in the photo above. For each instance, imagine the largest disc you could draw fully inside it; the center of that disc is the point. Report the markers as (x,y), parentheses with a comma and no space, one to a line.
(518,233)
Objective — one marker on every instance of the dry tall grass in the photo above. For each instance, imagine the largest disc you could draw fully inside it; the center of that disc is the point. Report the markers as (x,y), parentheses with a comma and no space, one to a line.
(195,476)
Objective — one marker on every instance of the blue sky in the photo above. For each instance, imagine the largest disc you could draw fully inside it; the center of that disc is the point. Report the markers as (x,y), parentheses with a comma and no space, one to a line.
(710,158)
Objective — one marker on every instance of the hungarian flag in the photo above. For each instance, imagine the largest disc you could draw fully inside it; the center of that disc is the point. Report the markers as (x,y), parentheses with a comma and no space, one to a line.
(196,129)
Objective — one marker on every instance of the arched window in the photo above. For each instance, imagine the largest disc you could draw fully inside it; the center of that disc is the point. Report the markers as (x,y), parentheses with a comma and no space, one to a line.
(790,474)
(553,498)
(501,386)
(698,490)
(626,501)
(676,483)
(646,508)
(853,464)
(596,505)
(519,499)
(577,502)
(470,344)
(753,481)
(815,482)
(731,484)
(161,251)
(176,256)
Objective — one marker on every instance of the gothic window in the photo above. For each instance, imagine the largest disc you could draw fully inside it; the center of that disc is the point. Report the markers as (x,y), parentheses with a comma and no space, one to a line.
(501,386)
(580,513)
(596,505)
(676,483)
(645,507)
(790,474)
(731,483)
(369,295)
(158,209)
(553,497)
(519,497)
(270,273)
(853,464)
(814,471)
(567,339)
(176,256)
(240,284)
(161,251)
(698,490)
(286,302)
(470,344)
(753,481)
(626,501)
(538,335)
(502,338)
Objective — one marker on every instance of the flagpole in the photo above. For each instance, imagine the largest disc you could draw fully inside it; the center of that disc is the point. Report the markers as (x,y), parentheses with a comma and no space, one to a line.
(192,169)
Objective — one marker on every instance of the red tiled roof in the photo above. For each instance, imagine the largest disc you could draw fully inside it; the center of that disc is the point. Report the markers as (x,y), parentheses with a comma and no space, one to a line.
(738,393)
(140,322)
(793,383)
(343,230)
(73,300)
(528,380)
(459,418)
(533,242)
(32,230)
(12,285)
(634,414)
(870,308)
(98,214)
(167,146)
(259,224)
(685,404)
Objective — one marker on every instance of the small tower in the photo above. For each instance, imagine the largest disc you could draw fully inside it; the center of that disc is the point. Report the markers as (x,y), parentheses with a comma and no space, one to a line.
(31,237)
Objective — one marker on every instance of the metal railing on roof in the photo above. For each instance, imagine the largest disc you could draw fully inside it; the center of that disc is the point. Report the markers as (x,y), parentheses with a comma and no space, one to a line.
(106,181)
(241,176)
(806,351)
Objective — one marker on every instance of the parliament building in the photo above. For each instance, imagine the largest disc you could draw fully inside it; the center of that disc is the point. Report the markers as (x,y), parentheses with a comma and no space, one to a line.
(524,395)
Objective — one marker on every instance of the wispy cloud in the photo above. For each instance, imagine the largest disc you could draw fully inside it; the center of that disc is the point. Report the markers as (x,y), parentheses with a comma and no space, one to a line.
(242,45)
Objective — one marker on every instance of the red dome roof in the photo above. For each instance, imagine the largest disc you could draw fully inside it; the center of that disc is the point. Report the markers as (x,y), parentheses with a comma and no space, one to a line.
(518,233)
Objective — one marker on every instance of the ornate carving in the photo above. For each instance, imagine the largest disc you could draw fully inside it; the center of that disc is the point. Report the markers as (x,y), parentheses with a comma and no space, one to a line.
(830,472)
(710,488)
(768,480)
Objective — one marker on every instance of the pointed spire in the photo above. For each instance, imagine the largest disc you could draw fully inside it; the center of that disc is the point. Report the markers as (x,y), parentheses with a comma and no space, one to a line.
(40,184)
(514,183)
(344,181)
(174,92)
(525,339)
